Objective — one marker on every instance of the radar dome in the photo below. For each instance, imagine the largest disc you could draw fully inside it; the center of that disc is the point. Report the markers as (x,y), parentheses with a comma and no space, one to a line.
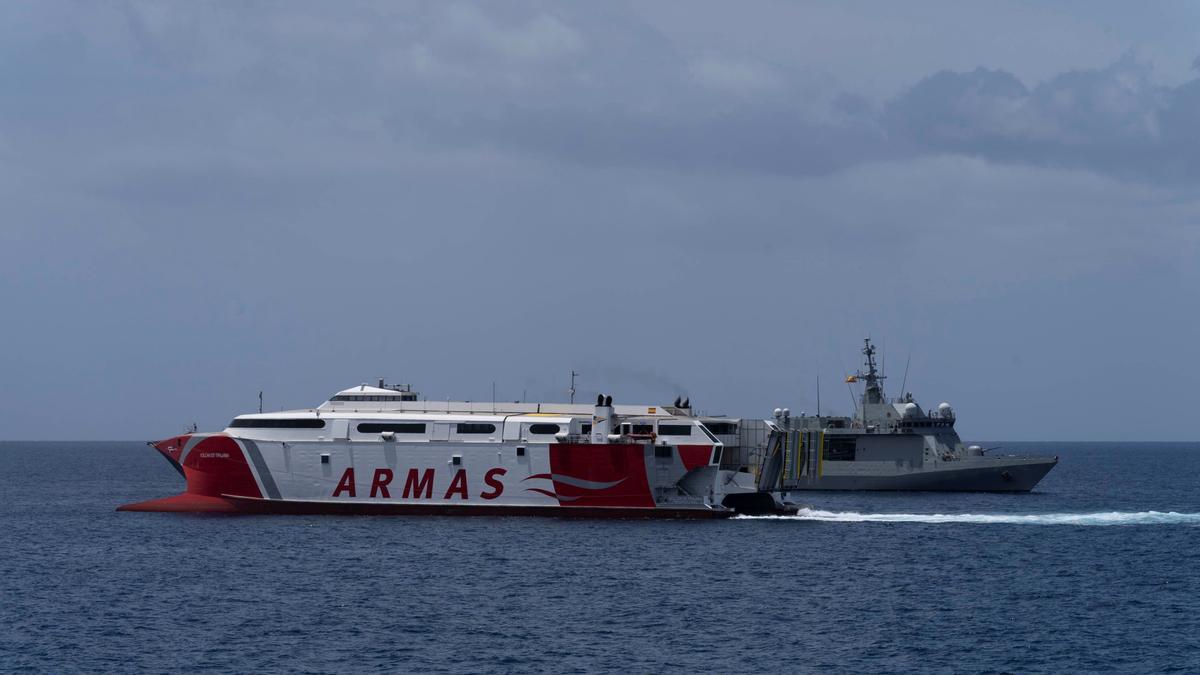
(945,410)
(910,409)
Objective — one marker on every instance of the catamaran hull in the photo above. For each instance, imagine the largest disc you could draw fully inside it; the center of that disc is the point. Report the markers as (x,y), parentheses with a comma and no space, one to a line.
(235,505)
(226,474)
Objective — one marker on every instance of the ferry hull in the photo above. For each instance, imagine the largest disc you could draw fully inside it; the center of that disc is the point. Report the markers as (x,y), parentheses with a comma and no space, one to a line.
(186,503)
(232,475)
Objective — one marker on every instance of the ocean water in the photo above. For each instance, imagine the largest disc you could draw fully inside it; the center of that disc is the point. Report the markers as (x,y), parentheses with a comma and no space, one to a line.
(1097,570)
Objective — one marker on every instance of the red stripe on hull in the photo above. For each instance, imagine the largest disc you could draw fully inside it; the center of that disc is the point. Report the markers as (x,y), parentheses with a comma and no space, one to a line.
(695,456)
(595,476)
(187,503)
(217,466)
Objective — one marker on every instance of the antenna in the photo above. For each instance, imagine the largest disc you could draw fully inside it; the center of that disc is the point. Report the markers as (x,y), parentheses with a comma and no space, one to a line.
(572,389)
(904,381)
(493,397)
(883,365)
(260,402)
(818,397)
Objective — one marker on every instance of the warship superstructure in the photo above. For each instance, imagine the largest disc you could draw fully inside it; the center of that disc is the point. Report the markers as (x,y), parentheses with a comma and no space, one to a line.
(889,444)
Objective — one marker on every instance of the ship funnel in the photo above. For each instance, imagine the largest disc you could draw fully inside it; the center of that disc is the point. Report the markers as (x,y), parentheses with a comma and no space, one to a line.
(602,420)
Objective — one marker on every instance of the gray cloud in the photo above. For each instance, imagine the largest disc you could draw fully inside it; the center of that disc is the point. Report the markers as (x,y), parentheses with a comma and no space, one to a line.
(203,201)
(576,83)
(1112,120)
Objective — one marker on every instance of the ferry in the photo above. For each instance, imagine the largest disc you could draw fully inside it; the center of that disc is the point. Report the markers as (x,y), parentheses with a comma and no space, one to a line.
(380,450)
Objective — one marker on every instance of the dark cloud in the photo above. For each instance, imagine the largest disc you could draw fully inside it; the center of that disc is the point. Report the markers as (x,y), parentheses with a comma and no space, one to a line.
(584,84)
(1112,121)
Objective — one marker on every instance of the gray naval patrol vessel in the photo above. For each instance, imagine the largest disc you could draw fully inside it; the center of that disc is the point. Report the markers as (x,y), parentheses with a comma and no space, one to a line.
(887,445)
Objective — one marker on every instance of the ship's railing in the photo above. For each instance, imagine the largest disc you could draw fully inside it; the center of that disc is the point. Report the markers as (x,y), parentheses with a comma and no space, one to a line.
(926,422)
(624,438)
(574,438)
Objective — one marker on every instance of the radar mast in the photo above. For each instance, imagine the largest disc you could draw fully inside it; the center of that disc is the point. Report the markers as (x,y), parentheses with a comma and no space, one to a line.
(874,390)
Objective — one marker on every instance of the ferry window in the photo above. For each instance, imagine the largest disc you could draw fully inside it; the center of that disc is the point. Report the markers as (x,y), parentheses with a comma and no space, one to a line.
(674,430)
(476,428)
(585,428)
(394,427)
(645,429)
(543,428)
(269,423)
(709,434)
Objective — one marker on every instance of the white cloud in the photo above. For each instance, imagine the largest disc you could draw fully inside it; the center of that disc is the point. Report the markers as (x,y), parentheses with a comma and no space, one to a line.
(736,75)
(538,38)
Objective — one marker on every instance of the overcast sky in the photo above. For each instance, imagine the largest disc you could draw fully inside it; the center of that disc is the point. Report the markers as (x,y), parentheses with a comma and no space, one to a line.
(206,200)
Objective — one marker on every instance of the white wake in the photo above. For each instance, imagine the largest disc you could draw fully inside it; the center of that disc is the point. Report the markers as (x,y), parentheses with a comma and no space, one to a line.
(1102,518)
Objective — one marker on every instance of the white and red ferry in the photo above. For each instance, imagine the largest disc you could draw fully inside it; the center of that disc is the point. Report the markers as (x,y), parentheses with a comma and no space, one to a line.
(379,450)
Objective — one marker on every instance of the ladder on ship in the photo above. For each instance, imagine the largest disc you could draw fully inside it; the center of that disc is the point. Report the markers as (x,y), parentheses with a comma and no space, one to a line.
(801,454)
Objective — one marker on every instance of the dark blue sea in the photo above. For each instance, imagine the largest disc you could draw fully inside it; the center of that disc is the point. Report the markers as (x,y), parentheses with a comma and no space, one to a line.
(1097,570)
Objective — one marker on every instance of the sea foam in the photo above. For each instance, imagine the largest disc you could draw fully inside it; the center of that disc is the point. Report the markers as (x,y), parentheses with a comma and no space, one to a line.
(1099,518)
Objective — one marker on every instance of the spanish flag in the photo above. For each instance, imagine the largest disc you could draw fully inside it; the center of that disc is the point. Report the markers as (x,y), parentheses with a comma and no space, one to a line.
(851,378)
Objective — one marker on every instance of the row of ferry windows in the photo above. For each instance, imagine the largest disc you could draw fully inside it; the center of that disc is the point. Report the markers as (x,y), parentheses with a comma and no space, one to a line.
(663,430)
(309,423)
(380,427)
(461,427)
(374,397)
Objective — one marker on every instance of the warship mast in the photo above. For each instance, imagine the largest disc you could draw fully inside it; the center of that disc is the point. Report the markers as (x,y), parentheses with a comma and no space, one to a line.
(873,393)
